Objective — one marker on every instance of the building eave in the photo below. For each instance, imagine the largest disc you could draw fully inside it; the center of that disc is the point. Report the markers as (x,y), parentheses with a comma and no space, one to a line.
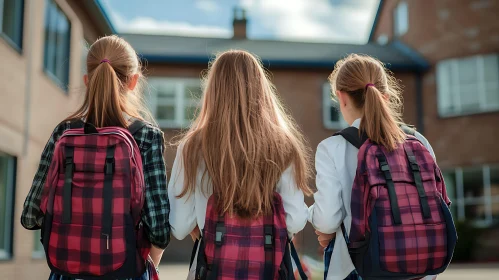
(376,20)
(268,63)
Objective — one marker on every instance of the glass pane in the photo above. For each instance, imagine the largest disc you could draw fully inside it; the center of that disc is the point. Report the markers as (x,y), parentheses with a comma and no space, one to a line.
(473,183)
(469,99)
(62,49)
(492,95)
(12,22)
(450,184)
(495,212)
(494,181)
(491,68)
(48,13)
(401,19)
(468,70)
(334,114)
(475,212)
(166,112)
(4,177)
(51,35)
(37,247)
(494,190)
(445,94)
(166,90)
(192,92)
(190,112)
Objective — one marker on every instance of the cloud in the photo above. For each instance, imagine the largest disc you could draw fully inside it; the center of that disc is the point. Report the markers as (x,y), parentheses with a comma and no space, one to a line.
(331,20)
(148,25)
(208,6)
(303,20)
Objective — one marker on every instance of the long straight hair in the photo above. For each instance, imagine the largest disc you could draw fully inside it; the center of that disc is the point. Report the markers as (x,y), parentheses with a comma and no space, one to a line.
(244,137)
(381,104)
(111,63)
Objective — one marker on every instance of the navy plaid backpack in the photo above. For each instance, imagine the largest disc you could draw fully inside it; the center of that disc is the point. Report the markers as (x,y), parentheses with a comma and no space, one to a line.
(402,227)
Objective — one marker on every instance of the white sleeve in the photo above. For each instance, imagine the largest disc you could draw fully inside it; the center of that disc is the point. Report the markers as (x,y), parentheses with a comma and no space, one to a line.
(182,210)
(326,214)
(293,202)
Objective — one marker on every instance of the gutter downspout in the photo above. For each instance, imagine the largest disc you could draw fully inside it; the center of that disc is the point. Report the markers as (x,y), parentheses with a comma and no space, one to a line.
(419,103)
(29,68)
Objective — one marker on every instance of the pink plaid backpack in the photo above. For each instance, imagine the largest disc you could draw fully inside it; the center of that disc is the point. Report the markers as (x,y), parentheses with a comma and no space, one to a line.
(402,227)
(237,249)
(91,200)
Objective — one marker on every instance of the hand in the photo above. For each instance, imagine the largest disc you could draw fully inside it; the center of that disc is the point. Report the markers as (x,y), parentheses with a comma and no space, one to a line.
(195,234)
(324,238)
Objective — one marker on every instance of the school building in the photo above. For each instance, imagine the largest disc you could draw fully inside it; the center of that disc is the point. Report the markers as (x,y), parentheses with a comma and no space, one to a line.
(42,49)
(445,55)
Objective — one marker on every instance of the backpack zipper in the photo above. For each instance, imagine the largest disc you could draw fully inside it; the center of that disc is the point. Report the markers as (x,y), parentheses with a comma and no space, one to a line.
(105,133)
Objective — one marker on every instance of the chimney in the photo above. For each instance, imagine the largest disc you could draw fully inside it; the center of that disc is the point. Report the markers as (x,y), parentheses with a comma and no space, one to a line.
(239,24)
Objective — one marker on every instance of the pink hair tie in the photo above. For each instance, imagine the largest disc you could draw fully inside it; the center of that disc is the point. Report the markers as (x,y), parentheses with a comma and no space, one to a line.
(370,85)
(105,60)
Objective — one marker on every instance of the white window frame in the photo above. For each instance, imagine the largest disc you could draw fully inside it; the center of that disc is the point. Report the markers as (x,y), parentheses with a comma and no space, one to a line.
(401,13)
(487,200)
(446,89)
(327,103)
(6,253)
(180,102)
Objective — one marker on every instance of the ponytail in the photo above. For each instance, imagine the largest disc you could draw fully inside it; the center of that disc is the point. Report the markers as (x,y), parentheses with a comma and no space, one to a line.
(376,93)
(104,97)
(111,64)
(379,122)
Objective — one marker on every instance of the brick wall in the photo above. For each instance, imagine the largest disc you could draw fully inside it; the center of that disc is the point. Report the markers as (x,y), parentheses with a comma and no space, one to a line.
(439,30)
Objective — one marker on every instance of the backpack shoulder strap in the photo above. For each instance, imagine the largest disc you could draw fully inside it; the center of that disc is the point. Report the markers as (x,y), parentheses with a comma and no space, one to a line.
(409,130)
(297,261)
(135,126)
(351,134)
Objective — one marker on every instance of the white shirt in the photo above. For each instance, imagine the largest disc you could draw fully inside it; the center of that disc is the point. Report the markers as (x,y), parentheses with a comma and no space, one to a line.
(190,210)
(336,163)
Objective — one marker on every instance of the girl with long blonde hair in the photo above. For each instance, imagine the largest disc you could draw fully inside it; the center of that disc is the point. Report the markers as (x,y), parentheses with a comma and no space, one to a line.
(241,149)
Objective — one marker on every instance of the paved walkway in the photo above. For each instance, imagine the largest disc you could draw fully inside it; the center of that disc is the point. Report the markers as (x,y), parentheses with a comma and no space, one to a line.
(455,272)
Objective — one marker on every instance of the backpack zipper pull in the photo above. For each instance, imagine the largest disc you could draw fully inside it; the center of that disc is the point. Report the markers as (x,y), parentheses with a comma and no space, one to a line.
(107,240)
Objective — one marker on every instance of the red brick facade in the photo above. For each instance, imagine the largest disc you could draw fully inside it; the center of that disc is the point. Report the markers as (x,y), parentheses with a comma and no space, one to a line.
(450,29)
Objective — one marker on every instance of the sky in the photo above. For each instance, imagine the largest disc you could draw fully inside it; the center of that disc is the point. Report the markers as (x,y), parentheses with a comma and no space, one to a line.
(341,21)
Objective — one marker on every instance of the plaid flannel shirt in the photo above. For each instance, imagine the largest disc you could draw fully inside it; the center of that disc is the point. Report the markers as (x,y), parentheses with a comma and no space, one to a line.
(156,207)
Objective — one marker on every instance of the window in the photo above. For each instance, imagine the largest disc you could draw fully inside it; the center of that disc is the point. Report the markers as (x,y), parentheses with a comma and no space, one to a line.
(401,18)
(57,37)
(468,85)
(175,102)
(331,115)
(38,252)
(474,193)
(7,176)
(11,21)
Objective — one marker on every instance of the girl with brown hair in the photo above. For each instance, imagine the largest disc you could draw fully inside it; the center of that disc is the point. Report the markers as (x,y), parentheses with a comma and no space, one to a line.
(369,99)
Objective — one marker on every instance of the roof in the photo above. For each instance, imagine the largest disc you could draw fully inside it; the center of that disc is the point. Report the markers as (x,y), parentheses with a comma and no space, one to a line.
(274,54)
(99,15)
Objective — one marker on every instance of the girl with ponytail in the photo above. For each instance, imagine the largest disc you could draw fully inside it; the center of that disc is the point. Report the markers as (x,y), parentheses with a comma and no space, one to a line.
(113,99)
(369,99)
